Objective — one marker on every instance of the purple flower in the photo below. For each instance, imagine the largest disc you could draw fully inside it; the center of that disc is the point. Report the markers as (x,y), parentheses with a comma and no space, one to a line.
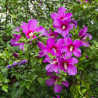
(63,26)
(15,64)
(72,47)
(22,62)
(83,35)
(61,14)
(8,66)
(68,65)
(29,29)
(53,81)
(15,54)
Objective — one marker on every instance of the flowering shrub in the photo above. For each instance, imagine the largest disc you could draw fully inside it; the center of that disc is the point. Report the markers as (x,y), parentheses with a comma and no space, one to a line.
(56,55)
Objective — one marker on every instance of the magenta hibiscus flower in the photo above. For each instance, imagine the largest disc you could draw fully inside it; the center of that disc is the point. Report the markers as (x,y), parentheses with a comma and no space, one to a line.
(63,26)
(83,35)
(72,47)
(61,14)
(29,29)
(53,81)
(54,48)
(68,65)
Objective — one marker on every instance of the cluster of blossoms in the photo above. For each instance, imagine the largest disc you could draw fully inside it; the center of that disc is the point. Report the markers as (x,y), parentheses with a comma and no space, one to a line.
(17,63)
(60,44)
(64,49)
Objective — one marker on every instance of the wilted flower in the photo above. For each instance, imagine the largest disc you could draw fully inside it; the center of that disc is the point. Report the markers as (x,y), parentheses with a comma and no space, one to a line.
(22,62)
(8,66)
(15,64)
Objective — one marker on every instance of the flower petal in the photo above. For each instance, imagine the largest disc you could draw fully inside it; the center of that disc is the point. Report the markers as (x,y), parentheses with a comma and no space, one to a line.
(32,25)
(24,27)
(67,16)
(47,59)
(73,60)
(57,23)
(65,83)
(60,42)
(77,52)
(61,12)
(22,46)
(40,29)
(68,41)
(59,30)
(50,82)
(50,42)
(49,67)
(14,42)
(41,45)
(72,69)
(68,54)
(77,43)
(57,88)
(54,16)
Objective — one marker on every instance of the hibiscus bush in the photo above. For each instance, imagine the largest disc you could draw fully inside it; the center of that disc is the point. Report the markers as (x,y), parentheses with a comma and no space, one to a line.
(49,49)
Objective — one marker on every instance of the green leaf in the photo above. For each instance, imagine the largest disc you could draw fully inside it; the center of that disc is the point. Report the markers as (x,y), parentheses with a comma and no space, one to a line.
(5,88)
(83,91)
(41,80)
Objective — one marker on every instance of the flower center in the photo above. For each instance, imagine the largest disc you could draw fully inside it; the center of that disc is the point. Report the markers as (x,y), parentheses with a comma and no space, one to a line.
(63,27)
(55,49)
(54,62)
(52,36)
(31,34)
(65,65)
(71,48)
(61,17)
